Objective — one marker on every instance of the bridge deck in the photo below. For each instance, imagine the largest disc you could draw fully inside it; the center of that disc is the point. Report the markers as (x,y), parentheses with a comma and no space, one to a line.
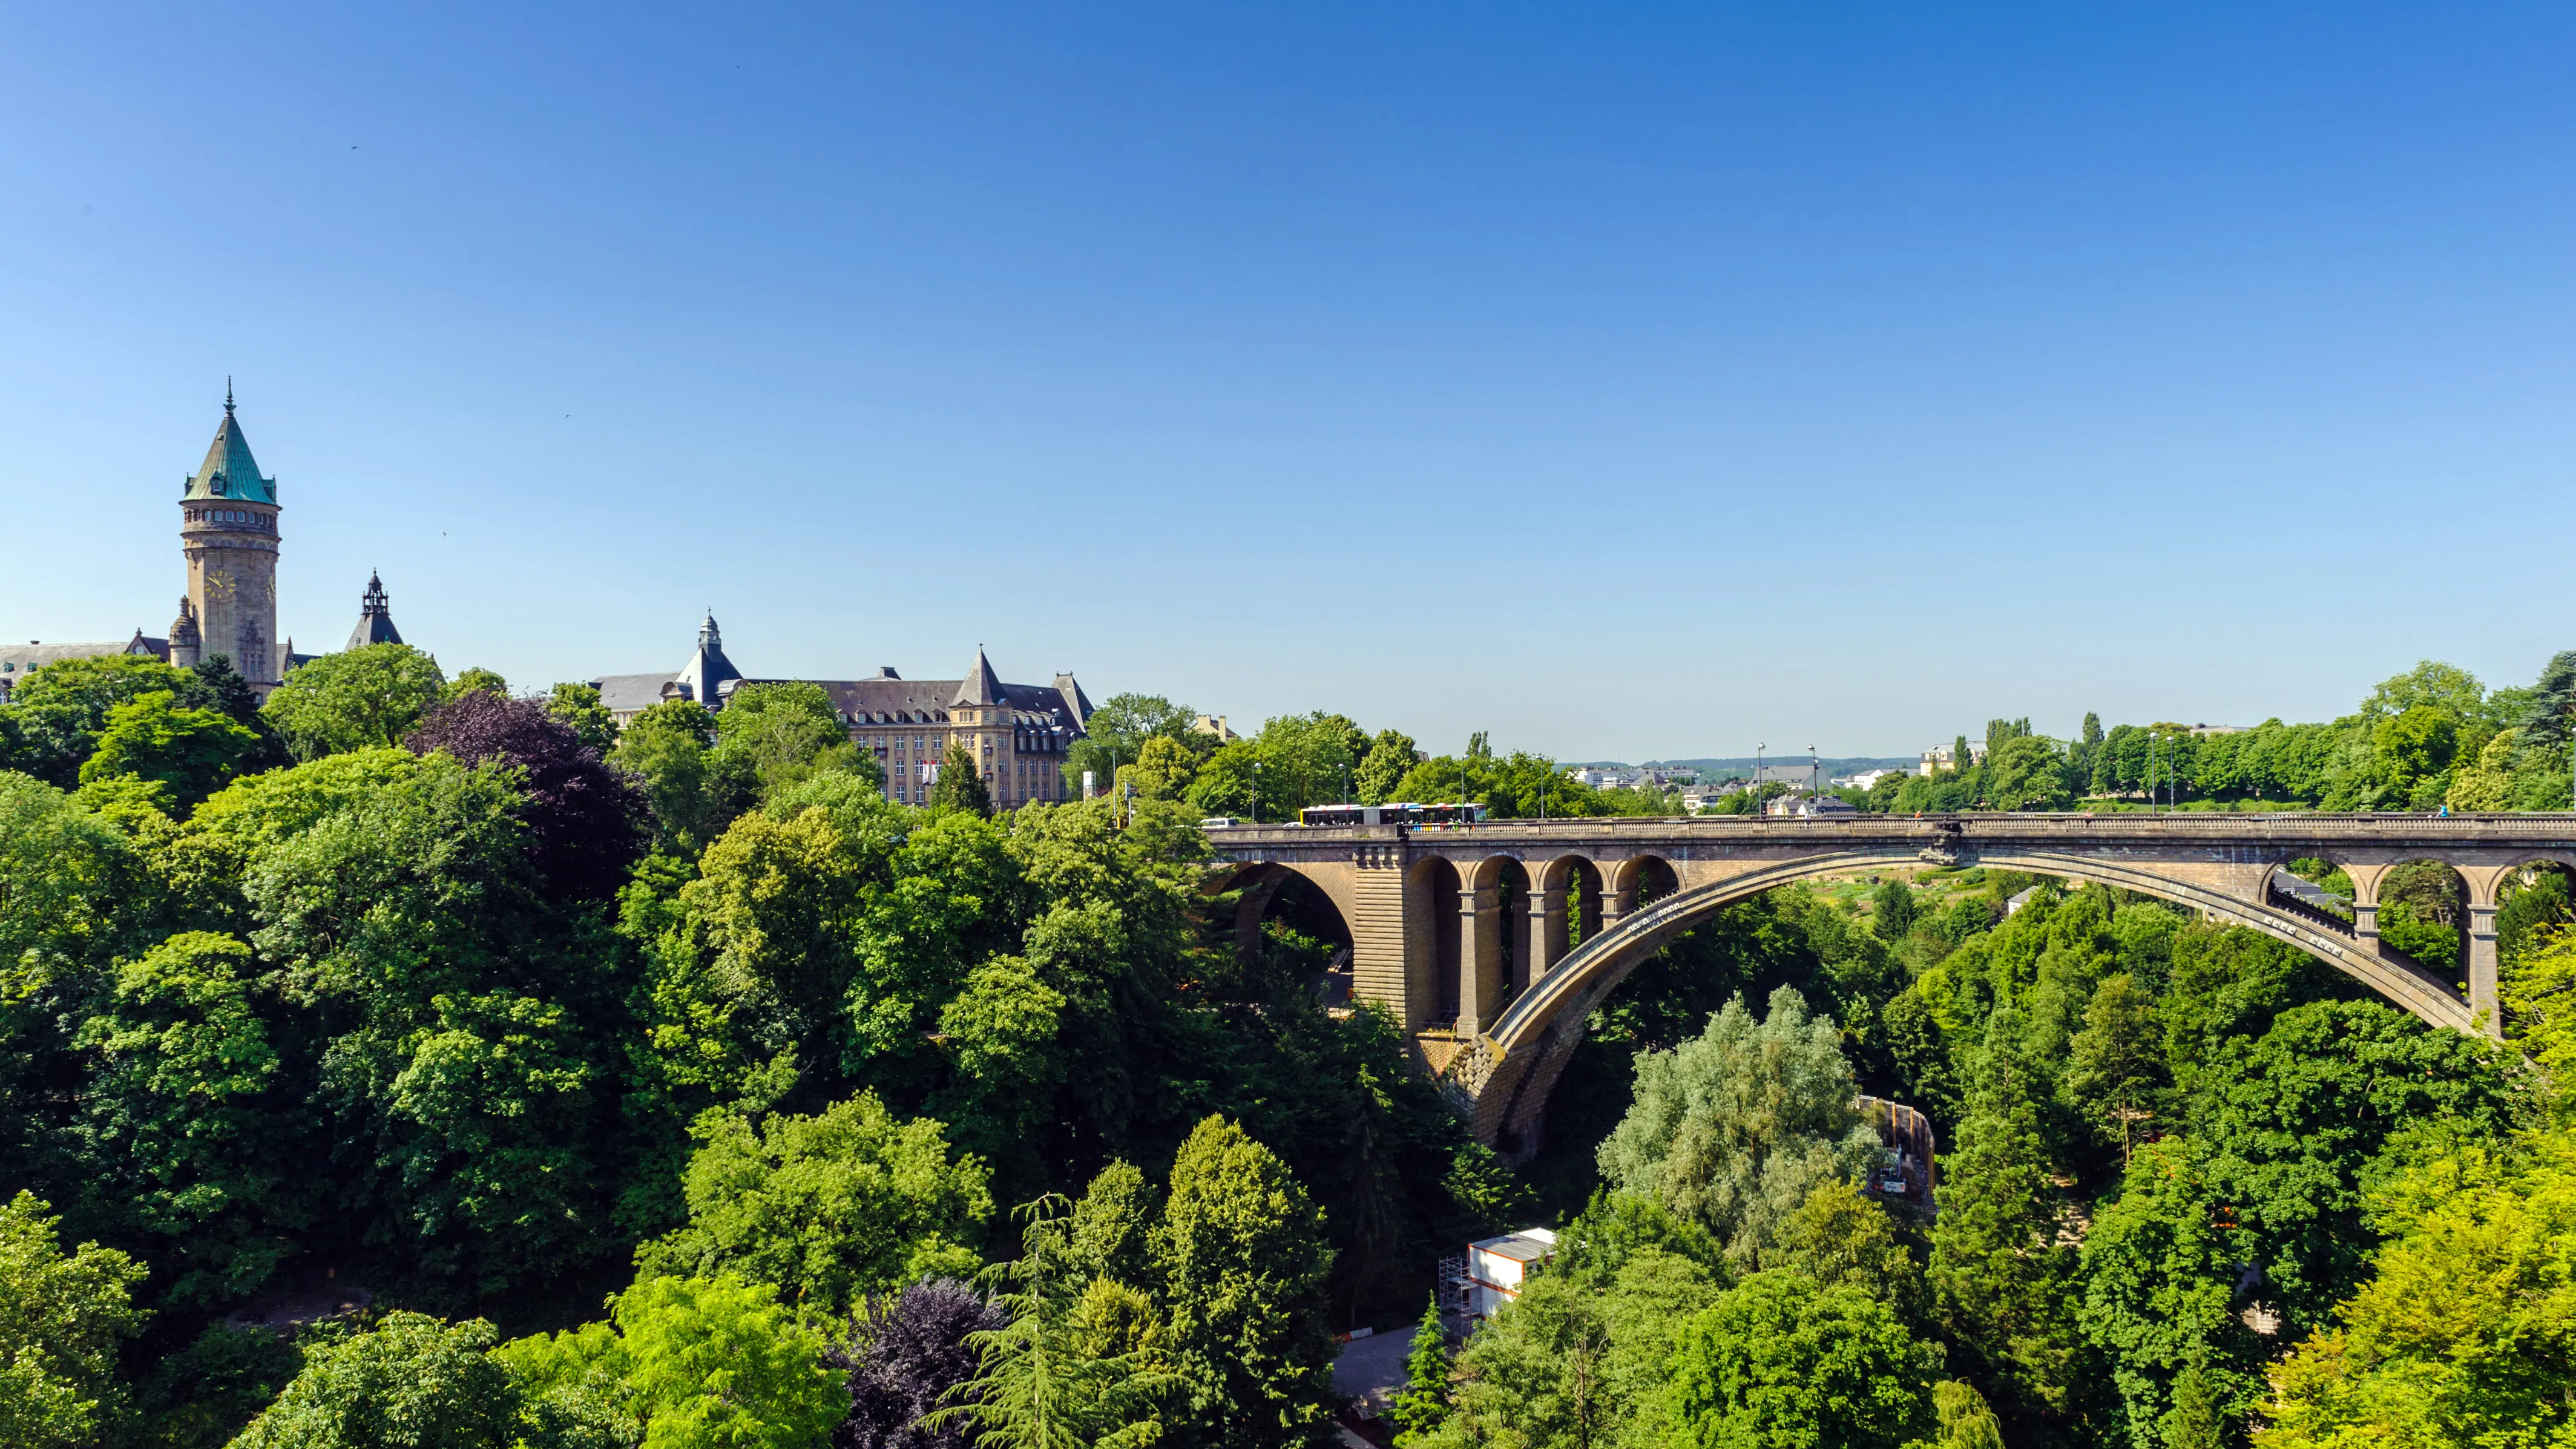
(2538,831)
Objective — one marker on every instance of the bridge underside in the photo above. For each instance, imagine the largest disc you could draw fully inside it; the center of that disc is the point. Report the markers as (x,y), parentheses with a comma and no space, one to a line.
(1463,934)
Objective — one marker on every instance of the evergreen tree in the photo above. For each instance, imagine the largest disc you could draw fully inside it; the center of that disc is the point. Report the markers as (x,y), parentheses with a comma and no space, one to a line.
(960,785)
(1243,1261)
(1423,1402)
(2004,1281)
(1891,910)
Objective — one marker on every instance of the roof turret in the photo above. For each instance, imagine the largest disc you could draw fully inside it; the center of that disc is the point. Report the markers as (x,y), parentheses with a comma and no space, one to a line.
(981,685)
(375,617)
(708,668)
(230,471)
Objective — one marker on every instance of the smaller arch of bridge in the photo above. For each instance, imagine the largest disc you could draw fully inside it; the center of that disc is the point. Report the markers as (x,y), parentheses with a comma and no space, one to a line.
(1259,889)
(1524,1052)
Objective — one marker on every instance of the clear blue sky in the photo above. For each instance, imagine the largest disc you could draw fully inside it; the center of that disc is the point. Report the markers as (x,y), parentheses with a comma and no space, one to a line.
(1637,382)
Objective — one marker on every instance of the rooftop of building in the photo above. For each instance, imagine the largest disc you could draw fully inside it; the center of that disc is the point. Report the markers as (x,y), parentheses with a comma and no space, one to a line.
(229,470)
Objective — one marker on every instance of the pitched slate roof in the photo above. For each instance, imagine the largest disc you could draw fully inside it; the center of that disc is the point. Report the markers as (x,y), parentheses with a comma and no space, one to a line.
(230,471)
(981,685)
(886,700)
(626,694)
(17,659)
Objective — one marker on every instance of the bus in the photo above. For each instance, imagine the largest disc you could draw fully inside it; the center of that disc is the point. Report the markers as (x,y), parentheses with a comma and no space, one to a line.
(1391,814)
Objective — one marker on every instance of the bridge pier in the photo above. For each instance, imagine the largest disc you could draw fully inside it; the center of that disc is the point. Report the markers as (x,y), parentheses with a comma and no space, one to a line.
(2485,883)
(1480,956)
(1546,927)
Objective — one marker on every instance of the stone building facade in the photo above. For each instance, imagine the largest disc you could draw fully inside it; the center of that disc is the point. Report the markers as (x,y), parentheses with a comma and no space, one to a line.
(1018,734)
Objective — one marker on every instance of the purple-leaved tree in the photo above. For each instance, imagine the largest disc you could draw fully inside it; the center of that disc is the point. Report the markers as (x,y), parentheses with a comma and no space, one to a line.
(911,1351)
(584,819)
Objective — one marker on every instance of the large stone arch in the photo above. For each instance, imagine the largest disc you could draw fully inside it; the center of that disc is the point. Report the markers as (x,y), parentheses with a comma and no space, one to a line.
(1514,1066)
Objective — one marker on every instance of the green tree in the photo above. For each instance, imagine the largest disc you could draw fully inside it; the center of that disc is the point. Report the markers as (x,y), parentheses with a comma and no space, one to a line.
(1114,737)
(1964,1420)
(2446,688)
(476,678)
(1423,1402)
(1228,782)
(2117,1077)
(694,793)
(365,698)
(785,732)
(62,1315)
(1779,1362)
(2162,1265)
(2413,752)
(2026,772)
(1892,910)
(184,1118)
(1840,1238)
(193,752)
(960,786)
(832,1208)
(578,708)
(407,1382)
(2539,998)
(2002,1271)
(1243,1259)
(2293,1124)
(57,711)
(684,1362)
(1735,1128)
(2467,1332)
(1080,1363)
(1164,769)
(1390,755)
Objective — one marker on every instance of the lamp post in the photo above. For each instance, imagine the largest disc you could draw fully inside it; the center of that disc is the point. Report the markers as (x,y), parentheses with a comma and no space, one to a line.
(1815,778)
(1757,777)
(1256,792)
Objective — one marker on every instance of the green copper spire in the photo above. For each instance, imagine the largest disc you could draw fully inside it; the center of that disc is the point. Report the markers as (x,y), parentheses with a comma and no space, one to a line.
(230,471)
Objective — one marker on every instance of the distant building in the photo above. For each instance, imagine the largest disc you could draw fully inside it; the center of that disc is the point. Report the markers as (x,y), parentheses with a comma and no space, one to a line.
(1804,807)
(1868,779)
(1018,733)
(229,539)
(1911,1165)
(1939,757)
(1214,725)
(2204,731)
(17,660)
(1498,1267)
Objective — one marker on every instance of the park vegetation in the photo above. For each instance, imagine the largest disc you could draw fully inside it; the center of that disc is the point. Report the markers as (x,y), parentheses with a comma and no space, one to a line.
(405,1062)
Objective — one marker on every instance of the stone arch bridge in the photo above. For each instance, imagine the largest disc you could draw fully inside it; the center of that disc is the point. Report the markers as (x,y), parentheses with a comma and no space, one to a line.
(1463,931)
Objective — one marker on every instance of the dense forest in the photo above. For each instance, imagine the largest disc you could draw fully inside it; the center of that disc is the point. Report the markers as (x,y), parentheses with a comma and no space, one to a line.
(408,1062)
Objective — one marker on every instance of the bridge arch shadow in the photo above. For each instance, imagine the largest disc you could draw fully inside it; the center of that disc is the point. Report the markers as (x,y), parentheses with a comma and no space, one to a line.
(1520,1057)
(1275,893)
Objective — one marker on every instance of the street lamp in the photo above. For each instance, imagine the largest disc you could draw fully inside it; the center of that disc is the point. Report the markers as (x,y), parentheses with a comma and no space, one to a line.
(1256,792)
(1757,777)
(1815,777)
